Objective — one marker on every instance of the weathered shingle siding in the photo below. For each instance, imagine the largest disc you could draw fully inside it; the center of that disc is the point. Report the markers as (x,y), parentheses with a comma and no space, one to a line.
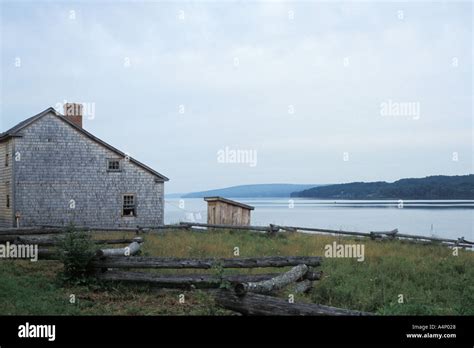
(59,164)
(6,214)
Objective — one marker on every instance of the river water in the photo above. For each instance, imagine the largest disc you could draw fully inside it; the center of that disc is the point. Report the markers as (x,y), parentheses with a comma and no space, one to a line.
(449,219)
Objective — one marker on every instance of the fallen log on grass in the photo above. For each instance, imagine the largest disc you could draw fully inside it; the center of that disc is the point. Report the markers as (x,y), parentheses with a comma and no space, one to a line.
(184,281)
(303,287)
(118,240)
(270,285)
(257,304)
(130,250)
(169,262)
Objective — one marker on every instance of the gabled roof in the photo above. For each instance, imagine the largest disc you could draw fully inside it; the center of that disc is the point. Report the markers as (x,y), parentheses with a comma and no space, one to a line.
(12,132)
(15,132)
(228,201)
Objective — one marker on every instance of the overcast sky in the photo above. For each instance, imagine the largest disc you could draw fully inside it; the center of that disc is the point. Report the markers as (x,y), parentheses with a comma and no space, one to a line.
(315,92)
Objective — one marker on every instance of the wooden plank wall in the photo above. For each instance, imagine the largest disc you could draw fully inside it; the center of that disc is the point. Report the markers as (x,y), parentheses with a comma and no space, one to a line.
(6,181)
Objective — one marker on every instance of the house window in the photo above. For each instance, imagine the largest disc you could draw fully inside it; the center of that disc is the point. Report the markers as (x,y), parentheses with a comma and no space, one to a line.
(113,165)
(7,156)
(129,205)
(8,201)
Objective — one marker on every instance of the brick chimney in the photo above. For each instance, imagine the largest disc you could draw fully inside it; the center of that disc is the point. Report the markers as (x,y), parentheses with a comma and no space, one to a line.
(73,113)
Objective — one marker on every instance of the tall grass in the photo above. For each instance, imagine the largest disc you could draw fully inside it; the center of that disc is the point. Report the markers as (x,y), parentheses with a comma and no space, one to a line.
(430,278)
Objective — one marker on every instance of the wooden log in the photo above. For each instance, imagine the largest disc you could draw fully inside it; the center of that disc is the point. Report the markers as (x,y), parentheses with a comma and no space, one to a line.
(463,240)
(303,287)
(267,286)
(30,231)
(8,238)
(233,227)
(47,241)
(184,281)
(137,229)
(273,229)
(373,234)
(161,228)
(257,304)
(129,250)
(388,233)
(167,262)
(38,240)
(48,254)
(288,229)
(118,240)
(427,242)
(313,275)
(43,254)
(322,230)
(382,235)
(432,239)
(452,245)
(52,229)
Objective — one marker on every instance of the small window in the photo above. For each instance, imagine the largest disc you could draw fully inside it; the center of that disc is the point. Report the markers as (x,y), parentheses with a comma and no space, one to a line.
(8,201)
(7,158)
(113,165)
(129,205)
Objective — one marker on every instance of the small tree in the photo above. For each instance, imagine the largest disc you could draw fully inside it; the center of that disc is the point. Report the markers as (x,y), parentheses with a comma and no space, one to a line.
(76,251)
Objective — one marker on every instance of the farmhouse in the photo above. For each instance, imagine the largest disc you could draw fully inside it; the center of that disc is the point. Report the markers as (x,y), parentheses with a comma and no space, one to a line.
(53,172)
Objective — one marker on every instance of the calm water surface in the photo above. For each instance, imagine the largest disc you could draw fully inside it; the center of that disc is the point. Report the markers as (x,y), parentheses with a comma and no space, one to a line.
(449,219)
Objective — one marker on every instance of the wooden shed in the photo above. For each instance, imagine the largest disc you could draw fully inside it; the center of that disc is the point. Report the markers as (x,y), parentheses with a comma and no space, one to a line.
(223,211)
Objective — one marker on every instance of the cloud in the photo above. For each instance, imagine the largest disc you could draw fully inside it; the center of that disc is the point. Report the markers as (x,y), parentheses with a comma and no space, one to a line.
(251,76)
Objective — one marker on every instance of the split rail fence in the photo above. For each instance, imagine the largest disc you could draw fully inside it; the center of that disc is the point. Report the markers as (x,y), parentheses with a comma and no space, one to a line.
(244,293)
(270,229)
(249,294)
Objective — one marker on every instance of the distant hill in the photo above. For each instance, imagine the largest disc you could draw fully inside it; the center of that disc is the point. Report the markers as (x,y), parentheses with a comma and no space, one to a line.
(431,187)
(174,195)
(251,191)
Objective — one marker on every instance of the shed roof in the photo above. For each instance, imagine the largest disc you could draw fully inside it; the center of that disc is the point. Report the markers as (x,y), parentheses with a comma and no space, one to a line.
(228,201)
(14,132)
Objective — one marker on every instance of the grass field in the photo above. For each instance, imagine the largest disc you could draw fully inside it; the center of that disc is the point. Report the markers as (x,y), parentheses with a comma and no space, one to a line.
(430,278)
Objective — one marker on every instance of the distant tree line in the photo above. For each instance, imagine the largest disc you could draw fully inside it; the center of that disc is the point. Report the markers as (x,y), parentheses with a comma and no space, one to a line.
(431,187)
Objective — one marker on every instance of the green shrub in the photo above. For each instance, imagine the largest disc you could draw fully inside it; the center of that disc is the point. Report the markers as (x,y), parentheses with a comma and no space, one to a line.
(76,251)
